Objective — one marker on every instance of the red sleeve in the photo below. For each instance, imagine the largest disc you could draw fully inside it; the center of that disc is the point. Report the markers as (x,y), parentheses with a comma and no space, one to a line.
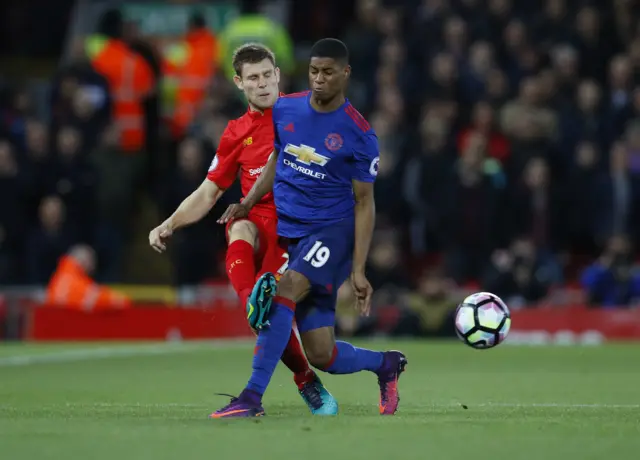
(224,167)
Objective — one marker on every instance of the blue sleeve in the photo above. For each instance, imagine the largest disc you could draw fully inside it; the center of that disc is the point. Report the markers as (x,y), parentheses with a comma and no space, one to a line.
(367,158)
(276,139)
(277,145)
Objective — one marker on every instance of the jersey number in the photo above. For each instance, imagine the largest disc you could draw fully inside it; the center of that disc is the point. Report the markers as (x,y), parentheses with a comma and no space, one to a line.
(318,255)
(285,265)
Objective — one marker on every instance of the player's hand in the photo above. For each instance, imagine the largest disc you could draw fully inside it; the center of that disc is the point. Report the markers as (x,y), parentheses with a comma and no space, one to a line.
(158,237)
(233,212)
(363,291)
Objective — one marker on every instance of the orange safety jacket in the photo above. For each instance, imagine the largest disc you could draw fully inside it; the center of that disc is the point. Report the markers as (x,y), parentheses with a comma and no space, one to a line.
(130,80)
(70,287)
(190,67)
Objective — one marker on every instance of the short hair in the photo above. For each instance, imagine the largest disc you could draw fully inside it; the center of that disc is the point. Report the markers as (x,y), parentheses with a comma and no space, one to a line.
(251,53)
(197,20)
(111,23)
(331,48)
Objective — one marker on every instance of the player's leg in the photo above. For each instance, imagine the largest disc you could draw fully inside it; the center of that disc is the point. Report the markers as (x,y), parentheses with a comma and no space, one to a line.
(271,343)
(339,357)
(242,236)
(274,259)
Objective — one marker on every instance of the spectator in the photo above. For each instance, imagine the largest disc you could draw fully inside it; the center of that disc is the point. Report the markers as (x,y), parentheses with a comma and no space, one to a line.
(612,281)
(565,62)
(620,74)
(71,285)
(470,212)
(618,197)
(37,163)
(430,308)
(592,42)
(48,241)
(476,72)
(12,214)
(536,207)
(582,198)
(364,40)
(588,118)
(386,271)
(483,122)
(553,25)
(75,181)
(530,127)
(521,275)
(193,247)
(118,180)
(425,177)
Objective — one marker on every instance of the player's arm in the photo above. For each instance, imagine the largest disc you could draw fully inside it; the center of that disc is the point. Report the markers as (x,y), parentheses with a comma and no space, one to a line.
(195,206)
(222,173)
(367,159)
(192,209)
(262,186)
(365,216)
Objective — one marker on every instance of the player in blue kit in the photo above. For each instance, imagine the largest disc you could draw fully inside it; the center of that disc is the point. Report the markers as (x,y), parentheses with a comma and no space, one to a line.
(321,172)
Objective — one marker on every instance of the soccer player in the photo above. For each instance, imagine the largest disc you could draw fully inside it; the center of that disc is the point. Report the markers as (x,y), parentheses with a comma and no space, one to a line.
(244,147)
(321,174)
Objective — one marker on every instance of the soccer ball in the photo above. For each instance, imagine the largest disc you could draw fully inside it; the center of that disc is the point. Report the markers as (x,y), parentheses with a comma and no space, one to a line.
(482,320)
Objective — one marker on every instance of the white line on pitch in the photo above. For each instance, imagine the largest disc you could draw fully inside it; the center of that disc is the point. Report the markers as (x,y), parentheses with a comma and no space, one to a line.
(120,351)
(560,405)
(127,405)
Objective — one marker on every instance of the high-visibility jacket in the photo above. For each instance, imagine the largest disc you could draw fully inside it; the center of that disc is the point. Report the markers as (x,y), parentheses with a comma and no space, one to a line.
(70,287)
(256,28)
(188,70)
(130,81)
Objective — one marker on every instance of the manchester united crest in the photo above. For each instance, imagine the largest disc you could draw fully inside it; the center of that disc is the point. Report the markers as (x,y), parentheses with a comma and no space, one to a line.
(333,142)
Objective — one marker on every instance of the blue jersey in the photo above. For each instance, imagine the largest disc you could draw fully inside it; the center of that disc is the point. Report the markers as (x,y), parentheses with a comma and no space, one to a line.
(319,154)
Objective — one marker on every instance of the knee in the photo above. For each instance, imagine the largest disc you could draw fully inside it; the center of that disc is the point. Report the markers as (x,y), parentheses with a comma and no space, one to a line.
(243,230)
(319,357)
(293,286)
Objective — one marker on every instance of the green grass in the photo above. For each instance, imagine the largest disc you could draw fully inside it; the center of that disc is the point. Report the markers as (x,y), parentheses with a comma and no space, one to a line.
(523,403)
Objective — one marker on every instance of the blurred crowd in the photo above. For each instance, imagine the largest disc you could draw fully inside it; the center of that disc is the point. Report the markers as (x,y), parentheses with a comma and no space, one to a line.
(510,154)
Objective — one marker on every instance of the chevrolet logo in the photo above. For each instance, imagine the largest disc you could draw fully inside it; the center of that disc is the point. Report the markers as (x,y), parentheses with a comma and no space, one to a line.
(306,155)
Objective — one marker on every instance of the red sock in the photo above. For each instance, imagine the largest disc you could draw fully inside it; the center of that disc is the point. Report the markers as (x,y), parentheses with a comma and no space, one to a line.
(294,358)
(241,268)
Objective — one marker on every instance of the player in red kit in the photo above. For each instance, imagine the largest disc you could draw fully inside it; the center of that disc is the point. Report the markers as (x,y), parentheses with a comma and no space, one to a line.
(253,248)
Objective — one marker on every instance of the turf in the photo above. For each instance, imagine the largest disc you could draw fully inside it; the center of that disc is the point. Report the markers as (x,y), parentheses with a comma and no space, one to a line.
(521,403)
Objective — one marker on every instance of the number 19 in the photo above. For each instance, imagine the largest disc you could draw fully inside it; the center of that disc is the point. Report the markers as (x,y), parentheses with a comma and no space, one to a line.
(318,255)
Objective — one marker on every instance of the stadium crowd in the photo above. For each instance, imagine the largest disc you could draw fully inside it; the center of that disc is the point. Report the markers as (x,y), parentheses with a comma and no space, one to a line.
(510,154)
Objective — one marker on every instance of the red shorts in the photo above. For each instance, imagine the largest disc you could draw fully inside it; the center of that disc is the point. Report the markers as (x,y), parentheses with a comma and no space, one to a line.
(269,255)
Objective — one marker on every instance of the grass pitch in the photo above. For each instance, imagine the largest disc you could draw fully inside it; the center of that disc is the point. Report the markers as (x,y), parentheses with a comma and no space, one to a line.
(105,402)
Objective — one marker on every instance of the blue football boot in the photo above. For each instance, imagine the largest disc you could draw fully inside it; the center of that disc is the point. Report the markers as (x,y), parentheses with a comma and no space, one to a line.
(259,302)
(316,396)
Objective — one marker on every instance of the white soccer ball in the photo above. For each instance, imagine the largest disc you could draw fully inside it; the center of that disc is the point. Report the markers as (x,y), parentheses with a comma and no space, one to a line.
(482,320)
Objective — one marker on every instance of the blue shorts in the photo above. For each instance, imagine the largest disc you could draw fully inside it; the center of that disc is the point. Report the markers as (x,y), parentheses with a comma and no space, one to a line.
(325,259)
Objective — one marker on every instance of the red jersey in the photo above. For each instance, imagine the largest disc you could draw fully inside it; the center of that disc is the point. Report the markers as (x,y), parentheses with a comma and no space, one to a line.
(244,147)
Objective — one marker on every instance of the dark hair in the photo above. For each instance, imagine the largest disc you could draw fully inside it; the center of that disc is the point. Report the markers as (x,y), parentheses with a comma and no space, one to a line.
(111,24)
(197,21)
(331,48)
(251,53)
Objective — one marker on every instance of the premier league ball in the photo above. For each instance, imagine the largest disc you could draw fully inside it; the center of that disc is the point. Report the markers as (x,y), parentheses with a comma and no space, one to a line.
(482,320)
